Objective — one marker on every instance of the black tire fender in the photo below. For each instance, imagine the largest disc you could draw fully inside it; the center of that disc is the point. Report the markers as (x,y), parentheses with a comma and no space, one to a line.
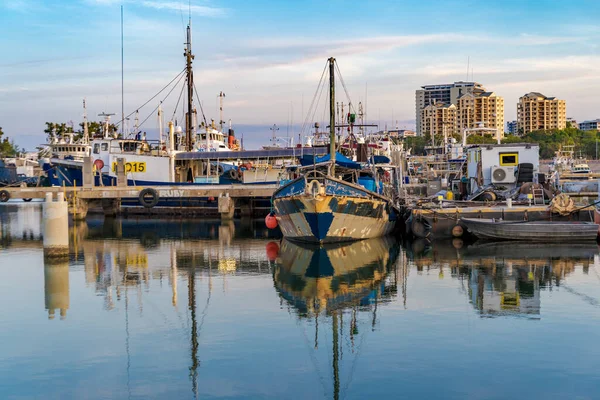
(4,196)
(148,197)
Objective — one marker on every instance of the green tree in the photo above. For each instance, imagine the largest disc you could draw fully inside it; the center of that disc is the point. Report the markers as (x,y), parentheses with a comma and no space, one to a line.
(95,128)
(7,147)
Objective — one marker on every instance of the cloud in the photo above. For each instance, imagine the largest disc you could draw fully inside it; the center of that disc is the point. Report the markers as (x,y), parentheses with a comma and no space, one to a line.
(204,11)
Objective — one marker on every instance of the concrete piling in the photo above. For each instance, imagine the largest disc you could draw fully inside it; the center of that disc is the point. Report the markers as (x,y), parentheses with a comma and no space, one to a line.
(55,216)
(56,287)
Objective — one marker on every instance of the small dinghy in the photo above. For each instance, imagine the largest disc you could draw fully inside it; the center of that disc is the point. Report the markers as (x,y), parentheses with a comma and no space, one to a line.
(535,231)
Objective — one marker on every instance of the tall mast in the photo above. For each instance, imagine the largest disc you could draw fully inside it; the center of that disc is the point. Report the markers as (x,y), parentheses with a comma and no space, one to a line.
(122,82)
(190,82)
(332,112)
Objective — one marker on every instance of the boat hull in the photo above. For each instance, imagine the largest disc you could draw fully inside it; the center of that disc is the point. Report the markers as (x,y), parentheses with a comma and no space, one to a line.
(330,217)
(532,231)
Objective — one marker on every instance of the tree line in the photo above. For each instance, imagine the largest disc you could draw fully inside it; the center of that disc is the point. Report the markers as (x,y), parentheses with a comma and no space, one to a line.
(8,148)
(95,128)
(548,140)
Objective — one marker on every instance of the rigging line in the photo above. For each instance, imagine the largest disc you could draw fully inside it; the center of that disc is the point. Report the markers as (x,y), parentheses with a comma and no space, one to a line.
(312,104)
(313,359)
(353,368)
(159,104)
(344,86)
(178,100)
(313,100)
(153,97)
(200,105)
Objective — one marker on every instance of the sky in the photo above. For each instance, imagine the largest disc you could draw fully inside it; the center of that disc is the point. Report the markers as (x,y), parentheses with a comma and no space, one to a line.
(268,56)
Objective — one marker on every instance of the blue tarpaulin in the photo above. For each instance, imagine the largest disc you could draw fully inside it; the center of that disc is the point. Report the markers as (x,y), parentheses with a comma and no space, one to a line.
(340,160)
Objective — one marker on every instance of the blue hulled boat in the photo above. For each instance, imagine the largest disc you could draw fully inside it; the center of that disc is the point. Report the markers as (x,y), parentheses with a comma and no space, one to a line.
(335,199)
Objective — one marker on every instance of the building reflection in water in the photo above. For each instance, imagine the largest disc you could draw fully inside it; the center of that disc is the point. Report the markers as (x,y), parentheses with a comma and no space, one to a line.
(505,278)
(331,284)
(56,287)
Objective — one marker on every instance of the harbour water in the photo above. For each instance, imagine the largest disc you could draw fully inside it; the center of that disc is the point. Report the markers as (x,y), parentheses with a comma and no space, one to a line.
(199,309)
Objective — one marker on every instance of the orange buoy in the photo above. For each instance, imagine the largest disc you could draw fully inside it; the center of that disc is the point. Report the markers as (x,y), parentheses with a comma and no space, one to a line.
(272,251)
(271,221)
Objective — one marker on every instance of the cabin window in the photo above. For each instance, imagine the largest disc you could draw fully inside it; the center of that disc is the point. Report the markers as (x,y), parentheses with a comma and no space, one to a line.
(509,159)
(97,148)
(104,146)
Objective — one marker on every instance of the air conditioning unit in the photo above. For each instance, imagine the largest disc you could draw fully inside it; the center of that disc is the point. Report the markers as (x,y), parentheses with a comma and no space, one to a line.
(503,174)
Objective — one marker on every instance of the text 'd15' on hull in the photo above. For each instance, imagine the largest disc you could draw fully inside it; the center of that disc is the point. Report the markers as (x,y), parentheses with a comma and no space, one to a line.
(329,210)
(538,231)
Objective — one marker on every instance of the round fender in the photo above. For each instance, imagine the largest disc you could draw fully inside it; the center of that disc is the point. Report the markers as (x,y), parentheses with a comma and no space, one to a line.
(419,229)
(4,196)
(233,174)
(27,200)
(148,197)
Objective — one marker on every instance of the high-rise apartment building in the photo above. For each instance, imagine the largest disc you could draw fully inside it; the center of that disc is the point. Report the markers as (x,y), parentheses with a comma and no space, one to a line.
(439,119)
(538,112)
(447,94)
(511,127)
(481,108)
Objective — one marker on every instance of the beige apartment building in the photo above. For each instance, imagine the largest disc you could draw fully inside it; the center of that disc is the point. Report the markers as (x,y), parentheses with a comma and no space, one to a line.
(537,112)
(444,93)
(439,118)
(481,109)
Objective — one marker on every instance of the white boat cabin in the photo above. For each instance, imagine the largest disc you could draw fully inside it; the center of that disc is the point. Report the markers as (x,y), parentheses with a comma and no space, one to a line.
(142,162)
(74,151)
(498,163)
(211,140)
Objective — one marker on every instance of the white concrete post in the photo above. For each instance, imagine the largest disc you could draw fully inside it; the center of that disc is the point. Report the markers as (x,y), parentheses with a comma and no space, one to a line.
(55,226)
(56,287)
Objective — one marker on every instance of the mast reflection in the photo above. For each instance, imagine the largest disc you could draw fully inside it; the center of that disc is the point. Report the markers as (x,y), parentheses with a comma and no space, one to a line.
(332,282)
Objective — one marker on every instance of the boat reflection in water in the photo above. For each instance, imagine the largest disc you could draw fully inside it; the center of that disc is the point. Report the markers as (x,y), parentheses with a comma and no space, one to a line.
(318,279)
(333,284)
(506,278)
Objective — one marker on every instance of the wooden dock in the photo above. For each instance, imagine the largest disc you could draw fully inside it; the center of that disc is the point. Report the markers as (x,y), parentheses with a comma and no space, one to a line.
(228,198)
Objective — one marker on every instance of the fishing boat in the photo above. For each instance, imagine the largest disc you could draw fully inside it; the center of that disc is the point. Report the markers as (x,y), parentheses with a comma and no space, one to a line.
(536,231)
(581,169)
(335,199)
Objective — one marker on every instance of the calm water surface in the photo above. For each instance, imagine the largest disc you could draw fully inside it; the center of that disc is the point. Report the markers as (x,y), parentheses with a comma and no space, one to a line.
(195,309)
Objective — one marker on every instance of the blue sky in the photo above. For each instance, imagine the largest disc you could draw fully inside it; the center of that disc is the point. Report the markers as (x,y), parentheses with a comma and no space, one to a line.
(267,56)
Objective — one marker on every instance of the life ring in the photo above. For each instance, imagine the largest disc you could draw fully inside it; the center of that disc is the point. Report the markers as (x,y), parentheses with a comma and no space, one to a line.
(4,196)
(313,187)
(99,164)
(148,197)
(233,174)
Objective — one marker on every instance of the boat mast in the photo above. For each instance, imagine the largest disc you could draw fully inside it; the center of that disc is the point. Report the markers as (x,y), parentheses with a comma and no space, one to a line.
(122,82)
(332,112)
(190,83)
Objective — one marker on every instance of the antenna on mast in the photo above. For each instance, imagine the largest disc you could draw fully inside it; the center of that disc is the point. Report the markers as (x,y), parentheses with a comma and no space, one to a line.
(86,135)
(468,62)
(221,122)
